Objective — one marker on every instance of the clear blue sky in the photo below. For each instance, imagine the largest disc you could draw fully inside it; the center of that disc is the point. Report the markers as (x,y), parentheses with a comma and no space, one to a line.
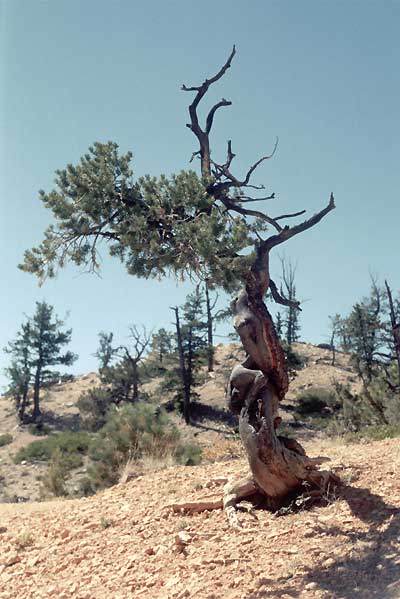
(323,76)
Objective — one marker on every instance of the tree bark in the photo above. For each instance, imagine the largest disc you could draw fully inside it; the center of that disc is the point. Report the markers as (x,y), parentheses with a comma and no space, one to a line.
(395,328)
(210,344)
(182,366)
(279,466)
(36,395)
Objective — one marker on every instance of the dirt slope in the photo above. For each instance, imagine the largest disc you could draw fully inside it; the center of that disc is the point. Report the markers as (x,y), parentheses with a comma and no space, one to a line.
(214,432)
(122,544)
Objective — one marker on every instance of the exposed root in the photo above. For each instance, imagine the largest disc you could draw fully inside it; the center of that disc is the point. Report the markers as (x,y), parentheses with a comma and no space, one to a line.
(318,485)
(193,507)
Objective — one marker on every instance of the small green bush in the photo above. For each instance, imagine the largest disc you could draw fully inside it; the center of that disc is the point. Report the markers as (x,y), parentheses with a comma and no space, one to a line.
(317,401)
(375,407)
(130,432)
(133,432)
(373,433)
(93,407)
(294,360)
(5,439)
(39,430)
(72,446)
(188,454)
(53,481)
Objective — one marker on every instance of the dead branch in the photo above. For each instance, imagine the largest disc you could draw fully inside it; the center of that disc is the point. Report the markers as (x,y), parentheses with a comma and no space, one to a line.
(280,298)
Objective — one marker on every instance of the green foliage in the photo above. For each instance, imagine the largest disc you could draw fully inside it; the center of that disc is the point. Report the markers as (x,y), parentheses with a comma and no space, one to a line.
(368,334)
(132,432)
(193,331)
(105,352)
(147,224)
(317,401)
(41,430)
(369,407)
(189,454)
(37,348)
(162,346)
(93,406)
(5,439)
(53,481)
(373,433)
(294,360)
(71,445)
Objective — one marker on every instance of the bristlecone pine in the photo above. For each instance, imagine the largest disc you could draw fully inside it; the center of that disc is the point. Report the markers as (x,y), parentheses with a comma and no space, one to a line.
(279,466)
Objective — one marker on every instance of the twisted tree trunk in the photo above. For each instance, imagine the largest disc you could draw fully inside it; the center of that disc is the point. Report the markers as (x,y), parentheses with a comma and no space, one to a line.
(279,466)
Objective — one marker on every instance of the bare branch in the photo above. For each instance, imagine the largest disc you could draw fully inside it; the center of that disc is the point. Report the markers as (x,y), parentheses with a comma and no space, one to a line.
(289,215)
(194,155)
(289,232)
(230,155)
(206,84)
(280,298)
(194,125)
(212,112)
(231,205)
(256,164)
(245,199)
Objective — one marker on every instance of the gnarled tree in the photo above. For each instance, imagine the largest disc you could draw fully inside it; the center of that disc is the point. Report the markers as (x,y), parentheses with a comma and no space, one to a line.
(191,225)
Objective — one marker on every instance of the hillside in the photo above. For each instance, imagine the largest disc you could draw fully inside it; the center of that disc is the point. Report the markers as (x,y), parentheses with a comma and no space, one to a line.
(213,430)
(123,543)
(126,542)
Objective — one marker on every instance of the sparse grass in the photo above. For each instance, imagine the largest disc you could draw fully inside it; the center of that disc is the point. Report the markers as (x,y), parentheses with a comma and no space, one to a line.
(348,477)
(373,433)
(182,524)
(105,522)
(5,439)
(223,449)
(189,454)
(24,540)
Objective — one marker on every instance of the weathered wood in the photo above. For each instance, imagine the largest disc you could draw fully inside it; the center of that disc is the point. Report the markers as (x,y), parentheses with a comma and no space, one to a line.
(278,465)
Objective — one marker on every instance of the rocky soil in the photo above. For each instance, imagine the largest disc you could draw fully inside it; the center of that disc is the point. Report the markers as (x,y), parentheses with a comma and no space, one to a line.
(127,543)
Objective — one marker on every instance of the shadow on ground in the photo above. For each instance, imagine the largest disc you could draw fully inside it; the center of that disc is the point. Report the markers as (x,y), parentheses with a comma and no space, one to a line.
(61,422)
(202,415)
(372,568)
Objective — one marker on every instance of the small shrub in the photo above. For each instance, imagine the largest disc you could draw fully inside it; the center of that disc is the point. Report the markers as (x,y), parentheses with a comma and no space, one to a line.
(105,522)
(39,430)
(5,439)
(294,360)
(93,407)
(130,433)
(182,524)
(72,446)
(373,433)
(53,481)
(318,401)
(188,454)
(26,539)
